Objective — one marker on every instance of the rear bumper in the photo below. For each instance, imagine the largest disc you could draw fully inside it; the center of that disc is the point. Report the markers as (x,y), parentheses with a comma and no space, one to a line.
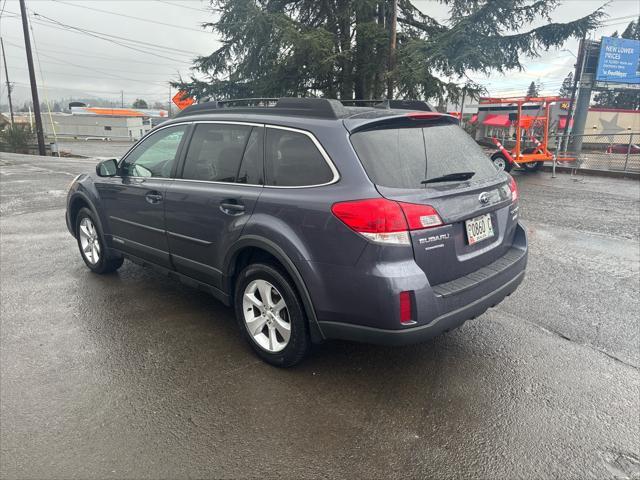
(372,315)
(441,324)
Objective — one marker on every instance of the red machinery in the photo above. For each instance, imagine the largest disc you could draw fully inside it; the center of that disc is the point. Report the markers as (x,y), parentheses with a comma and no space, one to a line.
(531,158)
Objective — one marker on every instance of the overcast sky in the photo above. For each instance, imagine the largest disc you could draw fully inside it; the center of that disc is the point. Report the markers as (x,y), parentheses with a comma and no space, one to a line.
(156,40)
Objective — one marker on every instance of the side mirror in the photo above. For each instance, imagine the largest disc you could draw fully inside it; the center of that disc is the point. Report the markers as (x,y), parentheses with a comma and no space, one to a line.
(107,168)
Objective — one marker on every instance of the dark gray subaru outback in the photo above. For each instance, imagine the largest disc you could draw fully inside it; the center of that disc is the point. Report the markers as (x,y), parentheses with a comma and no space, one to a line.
(383,224)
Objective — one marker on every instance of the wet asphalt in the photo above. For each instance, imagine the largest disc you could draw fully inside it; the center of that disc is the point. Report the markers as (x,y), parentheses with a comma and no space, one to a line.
(133,375)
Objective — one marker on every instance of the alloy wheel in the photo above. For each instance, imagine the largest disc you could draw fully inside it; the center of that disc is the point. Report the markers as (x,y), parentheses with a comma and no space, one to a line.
(89,241)
(266,316)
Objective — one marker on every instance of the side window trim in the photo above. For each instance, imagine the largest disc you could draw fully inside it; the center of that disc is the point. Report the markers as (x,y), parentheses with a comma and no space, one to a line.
(177,174)
(261,132)
(179,153)
(182,151)
(319,147)
(186,141)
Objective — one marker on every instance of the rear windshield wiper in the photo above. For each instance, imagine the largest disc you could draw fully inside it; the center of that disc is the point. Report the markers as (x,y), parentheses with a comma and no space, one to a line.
(451,177)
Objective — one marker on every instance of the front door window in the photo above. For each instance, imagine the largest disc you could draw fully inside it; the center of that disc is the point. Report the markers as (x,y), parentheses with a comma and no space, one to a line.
(155,156)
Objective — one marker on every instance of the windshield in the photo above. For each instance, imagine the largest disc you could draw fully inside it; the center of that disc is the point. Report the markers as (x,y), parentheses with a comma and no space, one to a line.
(406,157)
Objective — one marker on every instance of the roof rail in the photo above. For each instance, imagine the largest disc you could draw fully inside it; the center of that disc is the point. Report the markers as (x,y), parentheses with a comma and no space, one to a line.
(310,107)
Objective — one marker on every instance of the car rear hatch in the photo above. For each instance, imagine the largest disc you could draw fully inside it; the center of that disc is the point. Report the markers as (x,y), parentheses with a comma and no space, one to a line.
(477,215)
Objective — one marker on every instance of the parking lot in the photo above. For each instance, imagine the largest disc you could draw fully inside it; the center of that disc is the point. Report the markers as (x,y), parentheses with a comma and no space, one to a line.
(133,375)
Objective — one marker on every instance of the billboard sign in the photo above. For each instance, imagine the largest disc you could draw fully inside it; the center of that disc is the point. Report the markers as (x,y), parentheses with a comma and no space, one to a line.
(619,61)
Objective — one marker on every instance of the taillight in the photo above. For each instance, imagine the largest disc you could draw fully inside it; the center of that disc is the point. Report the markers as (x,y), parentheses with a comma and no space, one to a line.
(420,216)
(513,186)
(386,221)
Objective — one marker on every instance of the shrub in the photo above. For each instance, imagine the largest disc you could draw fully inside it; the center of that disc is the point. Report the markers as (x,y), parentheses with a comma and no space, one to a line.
(16,138)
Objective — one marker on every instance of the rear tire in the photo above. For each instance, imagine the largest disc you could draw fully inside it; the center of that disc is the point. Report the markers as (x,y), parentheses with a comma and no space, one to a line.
(270,315)
(91,244)
(500,162)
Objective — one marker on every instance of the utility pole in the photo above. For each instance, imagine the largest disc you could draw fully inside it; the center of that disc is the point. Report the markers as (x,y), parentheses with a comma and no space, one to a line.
(6,73)
(122,98)
(587,77)
(392,48)
(170,100)
(576,78)
(32,79)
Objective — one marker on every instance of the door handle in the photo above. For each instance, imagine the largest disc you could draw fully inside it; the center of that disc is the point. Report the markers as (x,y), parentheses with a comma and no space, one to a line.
(231,207)
(153,197)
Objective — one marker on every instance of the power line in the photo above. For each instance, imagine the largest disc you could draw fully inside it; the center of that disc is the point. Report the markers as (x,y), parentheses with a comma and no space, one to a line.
(624,17)
(159,83)
(131,40)
(86,91)
(52,23)
(74,30)
(66,64)
(203,10)
(85,53)
(131,16)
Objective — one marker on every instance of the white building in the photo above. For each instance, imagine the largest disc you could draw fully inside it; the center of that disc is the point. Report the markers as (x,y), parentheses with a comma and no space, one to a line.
(111,127)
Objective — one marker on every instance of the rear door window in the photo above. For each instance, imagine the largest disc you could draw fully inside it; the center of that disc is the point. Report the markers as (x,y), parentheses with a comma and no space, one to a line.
(293,160)
(216,151)
(405,157)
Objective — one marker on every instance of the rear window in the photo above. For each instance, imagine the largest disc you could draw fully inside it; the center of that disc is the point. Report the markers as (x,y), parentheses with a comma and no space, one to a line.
(404,157)
(292,160)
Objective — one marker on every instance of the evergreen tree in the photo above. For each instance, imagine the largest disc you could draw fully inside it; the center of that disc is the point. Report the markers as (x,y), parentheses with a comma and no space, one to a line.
(341,48)
(567,86)
(629,99)
(533,90)
(139,103)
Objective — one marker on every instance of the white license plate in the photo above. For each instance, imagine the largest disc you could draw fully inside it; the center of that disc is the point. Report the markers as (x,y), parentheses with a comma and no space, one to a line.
(479,228)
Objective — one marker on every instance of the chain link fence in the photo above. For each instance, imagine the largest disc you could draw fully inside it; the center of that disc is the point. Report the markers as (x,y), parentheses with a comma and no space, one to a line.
(612,152)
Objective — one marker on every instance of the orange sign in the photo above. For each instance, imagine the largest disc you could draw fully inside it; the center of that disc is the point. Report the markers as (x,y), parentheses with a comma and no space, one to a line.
(182,100)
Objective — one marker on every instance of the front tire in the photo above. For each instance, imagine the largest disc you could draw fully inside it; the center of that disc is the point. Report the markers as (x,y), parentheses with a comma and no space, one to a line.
(91,244)
(270,315)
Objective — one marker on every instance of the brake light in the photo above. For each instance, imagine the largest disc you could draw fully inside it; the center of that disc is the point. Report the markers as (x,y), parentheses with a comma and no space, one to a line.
(420,216)
(405,308)
(513,186)
(422,115)
(386,221)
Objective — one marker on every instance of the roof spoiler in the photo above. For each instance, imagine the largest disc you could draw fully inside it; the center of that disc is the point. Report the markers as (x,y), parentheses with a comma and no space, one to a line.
(407,120)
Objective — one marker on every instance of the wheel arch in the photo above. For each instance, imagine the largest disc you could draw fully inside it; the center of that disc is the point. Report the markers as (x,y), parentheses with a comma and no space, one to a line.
(251,248)
(77,202)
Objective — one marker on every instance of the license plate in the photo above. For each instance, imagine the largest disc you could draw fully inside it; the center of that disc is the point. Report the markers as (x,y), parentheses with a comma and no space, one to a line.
(479,228)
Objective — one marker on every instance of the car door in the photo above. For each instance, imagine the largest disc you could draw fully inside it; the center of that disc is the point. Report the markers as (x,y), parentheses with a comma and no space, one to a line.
(134,199)
(213,196)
